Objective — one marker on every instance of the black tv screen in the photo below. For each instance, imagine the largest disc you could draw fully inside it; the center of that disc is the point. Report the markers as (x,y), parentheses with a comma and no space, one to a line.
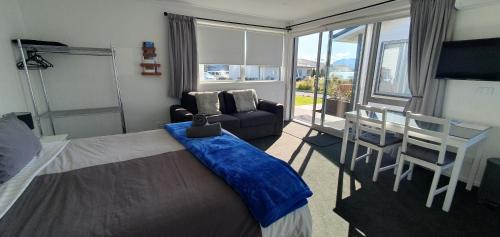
(470,60)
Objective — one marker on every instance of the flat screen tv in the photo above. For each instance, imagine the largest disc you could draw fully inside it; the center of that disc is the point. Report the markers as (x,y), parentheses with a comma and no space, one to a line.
(470,60)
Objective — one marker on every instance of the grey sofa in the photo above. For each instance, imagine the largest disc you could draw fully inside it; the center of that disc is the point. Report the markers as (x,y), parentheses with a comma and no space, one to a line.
(267,120)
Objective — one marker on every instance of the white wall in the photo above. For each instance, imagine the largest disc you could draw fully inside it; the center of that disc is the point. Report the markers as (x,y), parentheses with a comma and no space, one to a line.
(11,27)
(125,24)
(476,101)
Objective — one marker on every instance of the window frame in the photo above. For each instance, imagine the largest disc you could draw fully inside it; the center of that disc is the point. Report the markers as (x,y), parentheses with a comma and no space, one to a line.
(369,96)
(380,55)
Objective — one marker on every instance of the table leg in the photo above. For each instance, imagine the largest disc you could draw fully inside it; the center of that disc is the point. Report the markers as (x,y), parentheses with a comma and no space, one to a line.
(345,139)
(455,173)
(475,166)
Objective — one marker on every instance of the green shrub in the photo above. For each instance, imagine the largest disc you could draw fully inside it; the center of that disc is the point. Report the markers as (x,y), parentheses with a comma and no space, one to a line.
(305,85)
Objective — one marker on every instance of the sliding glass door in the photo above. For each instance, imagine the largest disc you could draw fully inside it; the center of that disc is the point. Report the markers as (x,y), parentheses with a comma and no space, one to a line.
(333,81)
(337,88)
(304,75)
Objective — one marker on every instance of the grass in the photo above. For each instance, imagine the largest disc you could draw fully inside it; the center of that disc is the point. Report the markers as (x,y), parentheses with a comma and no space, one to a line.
(303,100)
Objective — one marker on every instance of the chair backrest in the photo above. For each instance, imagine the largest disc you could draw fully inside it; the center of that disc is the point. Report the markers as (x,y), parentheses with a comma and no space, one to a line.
(427,132)
(372,120)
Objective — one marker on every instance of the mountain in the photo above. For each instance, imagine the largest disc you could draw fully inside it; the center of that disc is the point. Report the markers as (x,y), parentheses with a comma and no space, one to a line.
(347,62)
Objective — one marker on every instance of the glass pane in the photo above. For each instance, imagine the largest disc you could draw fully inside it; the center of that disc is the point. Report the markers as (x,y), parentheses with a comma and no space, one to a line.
(219,72)
(252,73)
(261,73)
(392,59)
(268,73)
(304,73)
(343,70)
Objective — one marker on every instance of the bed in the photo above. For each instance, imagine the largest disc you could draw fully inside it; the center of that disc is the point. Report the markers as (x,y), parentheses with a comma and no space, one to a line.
(137,184)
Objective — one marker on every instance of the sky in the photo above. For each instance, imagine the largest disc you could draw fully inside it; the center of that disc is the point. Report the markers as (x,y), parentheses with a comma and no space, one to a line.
(308,48)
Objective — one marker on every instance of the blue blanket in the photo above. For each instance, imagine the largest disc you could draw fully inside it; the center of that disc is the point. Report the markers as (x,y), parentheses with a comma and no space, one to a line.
(269,187)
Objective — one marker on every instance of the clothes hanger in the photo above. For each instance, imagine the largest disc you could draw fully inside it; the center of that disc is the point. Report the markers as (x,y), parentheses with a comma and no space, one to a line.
(34,61)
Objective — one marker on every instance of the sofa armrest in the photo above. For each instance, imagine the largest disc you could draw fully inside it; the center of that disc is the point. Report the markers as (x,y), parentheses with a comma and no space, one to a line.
(277,110)
(179,114)
(271,107)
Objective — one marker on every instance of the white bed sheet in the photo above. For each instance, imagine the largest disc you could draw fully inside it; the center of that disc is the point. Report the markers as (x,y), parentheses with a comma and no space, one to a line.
(86,152)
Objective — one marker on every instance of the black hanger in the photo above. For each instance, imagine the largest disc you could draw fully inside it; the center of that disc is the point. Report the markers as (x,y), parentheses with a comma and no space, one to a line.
(34,61)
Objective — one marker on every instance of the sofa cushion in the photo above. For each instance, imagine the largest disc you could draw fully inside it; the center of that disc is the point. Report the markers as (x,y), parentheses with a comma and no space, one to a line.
(227,121)
(188,101)
(244,101)
(207,103)
(229,103)
(255,118)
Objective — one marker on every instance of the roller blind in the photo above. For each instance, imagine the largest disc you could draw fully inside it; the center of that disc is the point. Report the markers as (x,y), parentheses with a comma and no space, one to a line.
(264,48)
(218,45)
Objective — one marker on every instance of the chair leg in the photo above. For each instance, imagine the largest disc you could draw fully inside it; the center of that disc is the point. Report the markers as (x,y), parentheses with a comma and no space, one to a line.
(410,174)
(432,191)
(368,151)
(398,157)
(354,155)
(398,174)
(377,165)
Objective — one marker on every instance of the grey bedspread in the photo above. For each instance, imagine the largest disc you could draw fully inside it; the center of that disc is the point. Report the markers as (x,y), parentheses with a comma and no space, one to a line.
(171,194)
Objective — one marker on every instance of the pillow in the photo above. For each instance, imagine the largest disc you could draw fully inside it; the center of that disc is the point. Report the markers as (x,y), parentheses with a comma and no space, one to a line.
(207,103)
(18,146)
(244,100)
(255,98)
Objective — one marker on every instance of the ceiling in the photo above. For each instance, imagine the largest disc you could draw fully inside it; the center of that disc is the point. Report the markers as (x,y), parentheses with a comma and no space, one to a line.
(282,10)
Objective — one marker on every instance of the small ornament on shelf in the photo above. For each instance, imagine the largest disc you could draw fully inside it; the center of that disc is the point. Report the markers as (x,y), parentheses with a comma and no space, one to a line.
(150,65)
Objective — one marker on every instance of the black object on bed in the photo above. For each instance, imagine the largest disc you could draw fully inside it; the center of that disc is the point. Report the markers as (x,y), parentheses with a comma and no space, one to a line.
(199,120)
(208,130)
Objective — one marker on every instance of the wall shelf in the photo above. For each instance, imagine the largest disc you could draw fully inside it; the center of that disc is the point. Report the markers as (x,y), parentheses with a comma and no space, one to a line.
(150,65)
(151,73)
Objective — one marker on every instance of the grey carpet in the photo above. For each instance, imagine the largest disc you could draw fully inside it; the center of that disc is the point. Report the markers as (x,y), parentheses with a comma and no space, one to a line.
(350,204)
(311,136)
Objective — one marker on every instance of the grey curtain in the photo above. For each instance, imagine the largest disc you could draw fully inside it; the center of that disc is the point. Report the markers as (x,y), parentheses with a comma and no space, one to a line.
(182,55)
(431,23)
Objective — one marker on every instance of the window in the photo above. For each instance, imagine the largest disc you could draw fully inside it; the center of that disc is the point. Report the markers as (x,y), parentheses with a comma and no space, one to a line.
(391,73)
(229,54)
(261,73)
(386,74)
(220,72)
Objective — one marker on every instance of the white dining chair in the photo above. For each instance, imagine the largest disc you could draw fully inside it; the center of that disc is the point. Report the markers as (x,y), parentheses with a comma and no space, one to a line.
(371,133)
(424,144)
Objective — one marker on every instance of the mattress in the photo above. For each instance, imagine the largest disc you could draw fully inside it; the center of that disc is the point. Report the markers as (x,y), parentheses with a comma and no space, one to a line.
(133,184)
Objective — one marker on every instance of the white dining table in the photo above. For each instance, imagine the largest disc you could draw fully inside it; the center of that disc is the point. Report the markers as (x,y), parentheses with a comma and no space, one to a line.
(463,135)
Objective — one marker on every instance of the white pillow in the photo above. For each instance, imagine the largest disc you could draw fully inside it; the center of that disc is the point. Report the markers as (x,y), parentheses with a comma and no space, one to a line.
(207,103)
(244,100)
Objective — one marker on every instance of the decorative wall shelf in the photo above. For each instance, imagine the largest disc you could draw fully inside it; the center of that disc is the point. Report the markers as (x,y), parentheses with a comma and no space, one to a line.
(150,65)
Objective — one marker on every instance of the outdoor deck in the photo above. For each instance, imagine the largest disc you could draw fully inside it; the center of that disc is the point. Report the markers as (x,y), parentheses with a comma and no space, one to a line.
(303,113)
